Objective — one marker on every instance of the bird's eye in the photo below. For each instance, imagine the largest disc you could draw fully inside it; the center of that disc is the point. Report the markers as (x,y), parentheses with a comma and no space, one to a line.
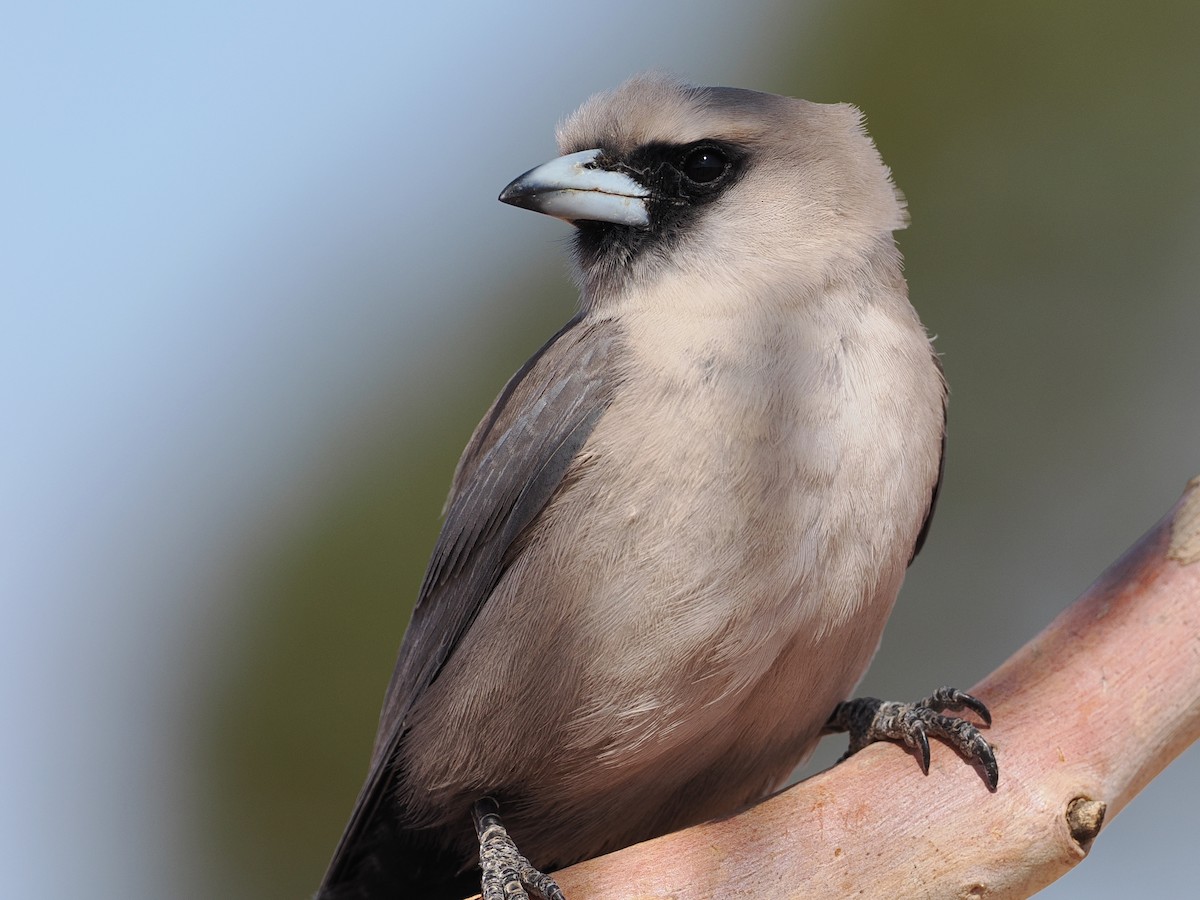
(704,164)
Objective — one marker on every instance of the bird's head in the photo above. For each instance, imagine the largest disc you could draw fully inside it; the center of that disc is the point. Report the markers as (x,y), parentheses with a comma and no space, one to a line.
(657,175)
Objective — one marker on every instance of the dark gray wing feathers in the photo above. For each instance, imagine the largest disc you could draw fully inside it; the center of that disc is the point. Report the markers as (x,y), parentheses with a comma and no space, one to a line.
(509,471)
(937,485)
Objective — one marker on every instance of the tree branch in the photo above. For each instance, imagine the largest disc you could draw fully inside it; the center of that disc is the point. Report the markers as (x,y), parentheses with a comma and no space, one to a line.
(1086,714)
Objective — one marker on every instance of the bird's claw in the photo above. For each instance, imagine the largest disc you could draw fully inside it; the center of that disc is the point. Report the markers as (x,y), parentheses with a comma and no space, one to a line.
(868,720)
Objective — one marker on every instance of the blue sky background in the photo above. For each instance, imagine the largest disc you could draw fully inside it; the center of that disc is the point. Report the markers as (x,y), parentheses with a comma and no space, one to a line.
(240,242)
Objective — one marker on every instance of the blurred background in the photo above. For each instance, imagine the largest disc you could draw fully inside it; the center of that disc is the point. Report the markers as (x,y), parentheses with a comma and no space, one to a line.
(256,290)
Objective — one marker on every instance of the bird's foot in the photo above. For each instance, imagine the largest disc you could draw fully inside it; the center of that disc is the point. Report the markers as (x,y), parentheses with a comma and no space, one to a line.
(868,720)
(507,875)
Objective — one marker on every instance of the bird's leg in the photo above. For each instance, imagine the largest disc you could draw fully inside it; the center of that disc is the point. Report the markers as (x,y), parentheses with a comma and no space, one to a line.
(868,720)
(506,873)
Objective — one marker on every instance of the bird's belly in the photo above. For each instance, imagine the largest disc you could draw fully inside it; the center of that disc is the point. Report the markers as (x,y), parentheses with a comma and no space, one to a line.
(683,654)
(659,661)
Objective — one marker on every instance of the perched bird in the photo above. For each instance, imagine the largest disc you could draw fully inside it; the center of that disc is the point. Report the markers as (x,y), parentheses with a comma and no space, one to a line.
(672,543)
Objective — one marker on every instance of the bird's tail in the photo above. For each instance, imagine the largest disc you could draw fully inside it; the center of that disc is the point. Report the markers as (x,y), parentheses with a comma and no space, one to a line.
(379,859)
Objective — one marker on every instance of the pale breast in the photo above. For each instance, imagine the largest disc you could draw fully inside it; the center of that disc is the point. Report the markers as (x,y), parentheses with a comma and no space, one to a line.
(751,484)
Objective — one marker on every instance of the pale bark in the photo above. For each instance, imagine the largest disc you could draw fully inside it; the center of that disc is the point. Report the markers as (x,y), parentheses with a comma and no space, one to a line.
(1086,714)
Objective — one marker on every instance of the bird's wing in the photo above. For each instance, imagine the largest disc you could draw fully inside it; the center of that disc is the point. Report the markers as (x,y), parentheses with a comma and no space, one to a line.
(937,485)
(511,468)
(509,471)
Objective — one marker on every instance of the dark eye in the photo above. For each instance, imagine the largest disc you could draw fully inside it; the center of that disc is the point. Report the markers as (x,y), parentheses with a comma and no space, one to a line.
(704,164)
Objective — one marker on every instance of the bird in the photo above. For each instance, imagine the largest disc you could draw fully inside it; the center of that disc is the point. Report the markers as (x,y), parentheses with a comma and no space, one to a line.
(672,543)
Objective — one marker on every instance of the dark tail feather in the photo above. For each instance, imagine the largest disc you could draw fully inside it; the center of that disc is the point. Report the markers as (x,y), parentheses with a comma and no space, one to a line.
(377,859)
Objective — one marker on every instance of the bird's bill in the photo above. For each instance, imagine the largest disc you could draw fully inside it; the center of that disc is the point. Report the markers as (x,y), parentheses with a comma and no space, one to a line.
(575,188)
